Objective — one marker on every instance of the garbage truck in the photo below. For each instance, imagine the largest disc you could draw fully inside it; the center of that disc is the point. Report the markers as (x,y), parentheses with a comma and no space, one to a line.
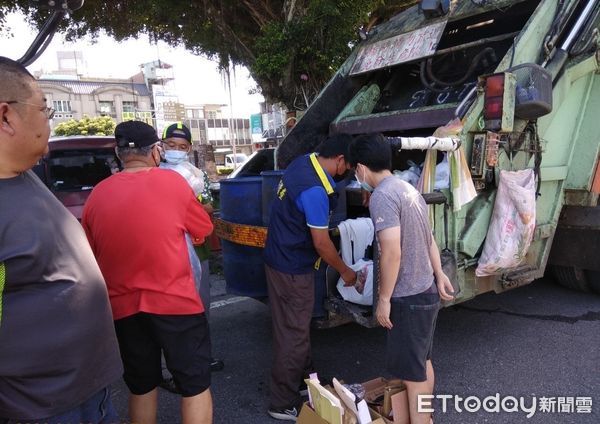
(519,83)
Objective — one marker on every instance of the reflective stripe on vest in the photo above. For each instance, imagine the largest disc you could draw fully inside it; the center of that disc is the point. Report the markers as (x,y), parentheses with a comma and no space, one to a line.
(321,174)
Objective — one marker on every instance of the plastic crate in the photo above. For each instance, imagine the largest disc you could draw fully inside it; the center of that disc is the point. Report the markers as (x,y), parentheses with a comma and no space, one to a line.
(533,91)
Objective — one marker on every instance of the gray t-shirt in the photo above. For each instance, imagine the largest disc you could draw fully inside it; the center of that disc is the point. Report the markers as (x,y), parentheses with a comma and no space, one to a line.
(57,339)
(396,203)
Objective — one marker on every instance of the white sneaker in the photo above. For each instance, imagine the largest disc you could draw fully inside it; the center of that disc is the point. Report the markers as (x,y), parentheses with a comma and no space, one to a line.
(290,414)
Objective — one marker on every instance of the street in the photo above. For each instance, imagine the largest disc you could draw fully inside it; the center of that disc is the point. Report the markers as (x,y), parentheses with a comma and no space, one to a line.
(536,341)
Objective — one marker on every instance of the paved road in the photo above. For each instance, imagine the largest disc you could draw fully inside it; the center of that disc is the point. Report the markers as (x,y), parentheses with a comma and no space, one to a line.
(537,341)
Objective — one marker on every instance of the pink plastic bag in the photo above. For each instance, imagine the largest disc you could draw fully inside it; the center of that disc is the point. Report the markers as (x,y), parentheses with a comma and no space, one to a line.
(512,225)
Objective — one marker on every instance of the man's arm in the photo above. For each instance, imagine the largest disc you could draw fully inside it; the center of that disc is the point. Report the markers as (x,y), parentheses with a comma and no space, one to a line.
(444,285)
(326,249)
(389,267)
(314,203)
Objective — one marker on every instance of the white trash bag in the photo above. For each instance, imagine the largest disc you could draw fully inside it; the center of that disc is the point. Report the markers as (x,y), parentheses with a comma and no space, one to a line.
(442,174)
(512,225)
(362,291)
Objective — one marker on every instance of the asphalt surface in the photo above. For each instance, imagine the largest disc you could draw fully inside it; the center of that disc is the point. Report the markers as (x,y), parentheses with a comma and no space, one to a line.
(536,341)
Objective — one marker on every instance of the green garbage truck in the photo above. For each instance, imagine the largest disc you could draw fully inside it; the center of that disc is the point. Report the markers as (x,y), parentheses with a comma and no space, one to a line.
(519,83)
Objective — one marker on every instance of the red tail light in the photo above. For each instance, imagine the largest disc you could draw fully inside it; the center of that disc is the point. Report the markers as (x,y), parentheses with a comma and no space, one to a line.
(494,86)
(499,101)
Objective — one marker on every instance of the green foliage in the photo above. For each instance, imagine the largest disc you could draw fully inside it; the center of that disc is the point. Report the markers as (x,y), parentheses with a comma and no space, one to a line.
(291,47)
(102,125)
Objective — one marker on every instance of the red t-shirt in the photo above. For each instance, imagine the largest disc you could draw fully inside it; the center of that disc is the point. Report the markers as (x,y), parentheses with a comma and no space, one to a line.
(136,224)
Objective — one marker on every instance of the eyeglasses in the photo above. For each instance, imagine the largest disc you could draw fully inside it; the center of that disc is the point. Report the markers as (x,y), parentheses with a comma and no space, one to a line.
(49,111)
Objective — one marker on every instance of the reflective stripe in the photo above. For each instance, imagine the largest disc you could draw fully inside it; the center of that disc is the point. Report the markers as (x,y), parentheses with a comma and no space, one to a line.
(2,281)
(247,235)
(321,174)
(179,127)
(318,263)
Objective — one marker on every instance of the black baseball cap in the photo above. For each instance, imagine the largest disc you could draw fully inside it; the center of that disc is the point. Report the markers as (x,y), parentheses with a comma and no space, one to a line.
(177,130)
(135,134)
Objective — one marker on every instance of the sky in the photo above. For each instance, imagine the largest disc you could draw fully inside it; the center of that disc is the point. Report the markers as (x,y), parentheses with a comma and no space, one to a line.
(197,79)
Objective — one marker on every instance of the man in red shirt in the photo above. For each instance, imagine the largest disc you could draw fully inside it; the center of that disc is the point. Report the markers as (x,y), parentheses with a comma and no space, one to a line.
(136,223)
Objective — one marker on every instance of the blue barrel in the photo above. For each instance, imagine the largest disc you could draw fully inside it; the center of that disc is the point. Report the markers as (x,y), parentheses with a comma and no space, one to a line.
(243,266)
(270,181)
(241,200)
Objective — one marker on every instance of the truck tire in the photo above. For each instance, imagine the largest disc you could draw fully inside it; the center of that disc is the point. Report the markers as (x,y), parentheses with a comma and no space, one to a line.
(593,278)
(571,278)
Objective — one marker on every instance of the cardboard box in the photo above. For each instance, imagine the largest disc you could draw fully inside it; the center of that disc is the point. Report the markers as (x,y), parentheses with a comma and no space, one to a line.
(383,396)
(377,418)
(374,390)
(309,416)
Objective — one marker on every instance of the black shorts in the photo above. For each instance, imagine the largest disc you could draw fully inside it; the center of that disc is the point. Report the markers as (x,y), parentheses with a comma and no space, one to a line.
(410,340)
(185,341)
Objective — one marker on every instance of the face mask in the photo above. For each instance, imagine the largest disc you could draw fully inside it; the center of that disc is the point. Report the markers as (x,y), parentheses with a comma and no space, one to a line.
(364,185)
(342,177)
(175,157)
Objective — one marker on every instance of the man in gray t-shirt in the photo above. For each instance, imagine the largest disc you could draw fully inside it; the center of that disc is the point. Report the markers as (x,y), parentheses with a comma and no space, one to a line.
(410,271)
(397,204)
(58,349)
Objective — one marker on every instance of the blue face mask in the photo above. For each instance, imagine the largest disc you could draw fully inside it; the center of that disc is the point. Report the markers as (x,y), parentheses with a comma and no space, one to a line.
(363,184)
(175,157)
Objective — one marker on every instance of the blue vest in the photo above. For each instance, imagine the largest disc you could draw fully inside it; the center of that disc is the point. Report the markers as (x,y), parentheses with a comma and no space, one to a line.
(289,247)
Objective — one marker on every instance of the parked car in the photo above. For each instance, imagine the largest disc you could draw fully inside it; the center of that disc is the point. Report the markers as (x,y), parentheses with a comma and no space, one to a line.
(257,162)
(232,162)
(74,165)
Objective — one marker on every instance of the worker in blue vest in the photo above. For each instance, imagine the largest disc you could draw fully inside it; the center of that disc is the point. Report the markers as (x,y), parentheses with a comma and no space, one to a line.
(297,242)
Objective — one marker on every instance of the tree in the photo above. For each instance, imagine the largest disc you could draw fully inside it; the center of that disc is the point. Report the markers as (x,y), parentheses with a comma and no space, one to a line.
(291,47)
(101,125)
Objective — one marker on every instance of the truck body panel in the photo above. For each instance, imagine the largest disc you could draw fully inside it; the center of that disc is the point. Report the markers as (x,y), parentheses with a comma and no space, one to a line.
(397,100)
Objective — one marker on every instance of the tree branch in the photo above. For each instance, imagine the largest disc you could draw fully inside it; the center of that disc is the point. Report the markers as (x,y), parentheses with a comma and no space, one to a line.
(289,7)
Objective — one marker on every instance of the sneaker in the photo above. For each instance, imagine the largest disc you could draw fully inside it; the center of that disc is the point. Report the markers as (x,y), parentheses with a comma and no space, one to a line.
(290,414)
(216,364)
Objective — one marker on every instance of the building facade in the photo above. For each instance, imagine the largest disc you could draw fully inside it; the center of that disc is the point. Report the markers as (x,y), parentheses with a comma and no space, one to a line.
(122,100)
(208,125)
(148,96)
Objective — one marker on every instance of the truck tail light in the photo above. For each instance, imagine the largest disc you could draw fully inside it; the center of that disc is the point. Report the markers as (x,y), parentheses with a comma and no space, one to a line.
(499,102)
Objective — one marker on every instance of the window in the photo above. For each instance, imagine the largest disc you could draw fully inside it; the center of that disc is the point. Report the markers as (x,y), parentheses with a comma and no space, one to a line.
(62,105)
(76,170)
(211,114)
(106,107)
(128,106)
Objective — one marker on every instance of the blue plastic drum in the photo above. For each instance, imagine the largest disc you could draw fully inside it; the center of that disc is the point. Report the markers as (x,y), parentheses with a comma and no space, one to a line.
(243,266)
(270,181)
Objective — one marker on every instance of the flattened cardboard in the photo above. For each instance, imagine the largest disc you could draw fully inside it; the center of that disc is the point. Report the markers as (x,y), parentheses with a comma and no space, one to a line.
(327,405)
(374,389)
(309,416)
(393,387)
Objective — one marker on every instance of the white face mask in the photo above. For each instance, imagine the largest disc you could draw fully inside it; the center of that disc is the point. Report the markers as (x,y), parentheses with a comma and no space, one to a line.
(175,157)
(363,184)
